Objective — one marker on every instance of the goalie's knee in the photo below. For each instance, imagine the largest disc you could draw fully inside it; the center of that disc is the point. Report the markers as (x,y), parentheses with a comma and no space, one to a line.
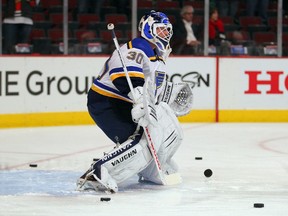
(123,162)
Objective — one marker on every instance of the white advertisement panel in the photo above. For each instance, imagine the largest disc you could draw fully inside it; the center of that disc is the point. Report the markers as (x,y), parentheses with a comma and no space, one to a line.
(254,83)
(184,69)
(44,84)
(60,84)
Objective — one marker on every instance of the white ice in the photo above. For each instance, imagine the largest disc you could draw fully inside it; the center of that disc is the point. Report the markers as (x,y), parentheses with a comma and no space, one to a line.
(249,164)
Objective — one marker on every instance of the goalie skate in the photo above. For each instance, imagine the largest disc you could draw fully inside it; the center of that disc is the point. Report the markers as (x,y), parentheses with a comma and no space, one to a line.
(90,182)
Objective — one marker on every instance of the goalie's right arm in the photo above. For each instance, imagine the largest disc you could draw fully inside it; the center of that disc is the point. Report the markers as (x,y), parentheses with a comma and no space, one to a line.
(178,96)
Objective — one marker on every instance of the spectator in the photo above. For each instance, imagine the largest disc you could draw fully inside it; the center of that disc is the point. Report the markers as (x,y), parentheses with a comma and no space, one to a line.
(259,8)
(184,40)
(17,23)
(217,36)
(216,28)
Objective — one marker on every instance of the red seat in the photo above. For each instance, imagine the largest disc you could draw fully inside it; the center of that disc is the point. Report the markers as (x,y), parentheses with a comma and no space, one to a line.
(195,4)
(264,37)
(144,4)
(37,33)
(198,19)
(85,19)
(272,21)
(167,4)
(37,16)
(107,37)
(56,35)
(128,34)
(57,18)
(51,3)
(116,18)
(172,19)
(227,19)
(246,21)
(82,34)
(285,38)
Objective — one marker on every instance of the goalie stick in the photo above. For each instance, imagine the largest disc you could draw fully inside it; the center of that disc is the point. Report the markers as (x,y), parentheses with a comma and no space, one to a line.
(165,179)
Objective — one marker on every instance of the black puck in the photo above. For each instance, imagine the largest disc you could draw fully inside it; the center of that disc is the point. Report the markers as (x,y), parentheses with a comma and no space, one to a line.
(95,159)
(198,158)
(208,173)
(258,205)
(33,165)
(106,199)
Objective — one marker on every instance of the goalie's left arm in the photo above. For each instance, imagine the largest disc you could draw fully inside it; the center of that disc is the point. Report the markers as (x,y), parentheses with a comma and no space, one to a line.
(178,96)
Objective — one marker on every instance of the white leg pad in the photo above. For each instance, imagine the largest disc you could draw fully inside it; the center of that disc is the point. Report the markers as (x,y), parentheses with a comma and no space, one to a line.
(123,162)
(134,157)
(129,162)
(171,140)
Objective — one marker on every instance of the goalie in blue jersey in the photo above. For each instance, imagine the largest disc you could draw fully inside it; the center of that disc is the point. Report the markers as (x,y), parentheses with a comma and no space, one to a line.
(122,112)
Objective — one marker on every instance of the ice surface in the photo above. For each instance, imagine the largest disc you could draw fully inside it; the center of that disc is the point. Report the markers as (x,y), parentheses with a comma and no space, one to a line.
(249,164)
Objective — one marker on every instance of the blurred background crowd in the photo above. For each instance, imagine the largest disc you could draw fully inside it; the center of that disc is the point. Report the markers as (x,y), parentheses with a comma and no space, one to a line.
(236,27)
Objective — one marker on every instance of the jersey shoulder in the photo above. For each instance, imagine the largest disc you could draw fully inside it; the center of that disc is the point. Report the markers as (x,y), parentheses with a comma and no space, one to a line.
(142,44)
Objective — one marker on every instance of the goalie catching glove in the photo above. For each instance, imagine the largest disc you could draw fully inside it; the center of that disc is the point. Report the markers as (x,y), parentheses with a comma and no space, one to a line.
(178,96)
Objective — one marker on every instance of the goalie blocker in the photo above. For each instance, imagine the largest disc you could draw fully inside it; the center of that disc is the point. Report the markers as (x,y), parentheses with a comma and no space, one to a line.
(134,157)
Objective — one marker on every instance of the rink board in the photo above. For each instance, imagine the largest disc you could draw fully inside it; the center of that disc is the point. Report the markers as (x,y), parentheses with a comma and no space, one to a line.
(36,91)
(253,90)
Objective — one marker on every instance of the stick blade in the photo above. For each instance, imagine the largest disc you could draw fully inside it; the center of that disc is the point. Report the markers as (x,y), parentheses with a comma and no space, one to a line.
(173,179)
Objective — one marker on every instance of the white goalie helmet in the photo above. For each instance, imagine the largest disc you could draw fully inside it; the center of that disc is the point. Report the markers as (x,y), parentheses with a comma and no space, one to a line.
(157,29)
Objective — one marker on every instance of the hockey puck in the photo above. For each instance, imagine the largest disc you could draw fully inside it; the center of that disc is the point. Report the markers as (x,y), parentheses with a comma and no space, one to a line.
(258,205)
(208,173)
(105,199)
(198,158)
(33,165)
(95,159)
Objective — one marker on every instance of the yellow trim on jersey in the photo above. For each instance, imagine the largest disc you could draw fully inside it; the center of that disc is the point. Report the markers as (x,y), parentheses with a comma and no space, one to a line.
(130,45)
(122,74)
(152,58)
(108,93)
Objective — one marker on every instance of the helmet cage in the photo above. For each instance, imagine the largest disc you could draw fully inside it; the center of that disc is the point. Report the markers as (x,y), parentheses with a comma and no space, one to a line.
(163,30)
(149,25)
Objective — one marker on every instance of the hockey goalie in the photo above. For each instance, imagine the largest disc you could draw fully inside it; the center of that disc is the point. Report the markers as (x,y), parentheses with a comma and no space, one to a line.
(140,117)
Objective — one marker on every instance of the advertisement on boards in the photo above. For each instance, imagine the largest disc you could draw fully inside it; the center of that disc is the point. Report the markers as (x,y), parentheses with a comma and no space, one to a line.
(186,69)
(253,84)
(41,84)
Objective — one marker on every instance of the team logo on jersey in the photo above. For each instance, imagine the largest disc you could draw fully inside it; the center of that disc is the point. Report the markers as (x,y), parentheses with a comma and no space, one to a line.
(159,78)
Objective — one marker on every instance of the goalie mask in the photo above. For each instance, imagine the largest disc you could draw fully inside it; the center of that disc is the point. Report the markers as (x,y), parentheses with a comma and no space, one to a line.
(156,28)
